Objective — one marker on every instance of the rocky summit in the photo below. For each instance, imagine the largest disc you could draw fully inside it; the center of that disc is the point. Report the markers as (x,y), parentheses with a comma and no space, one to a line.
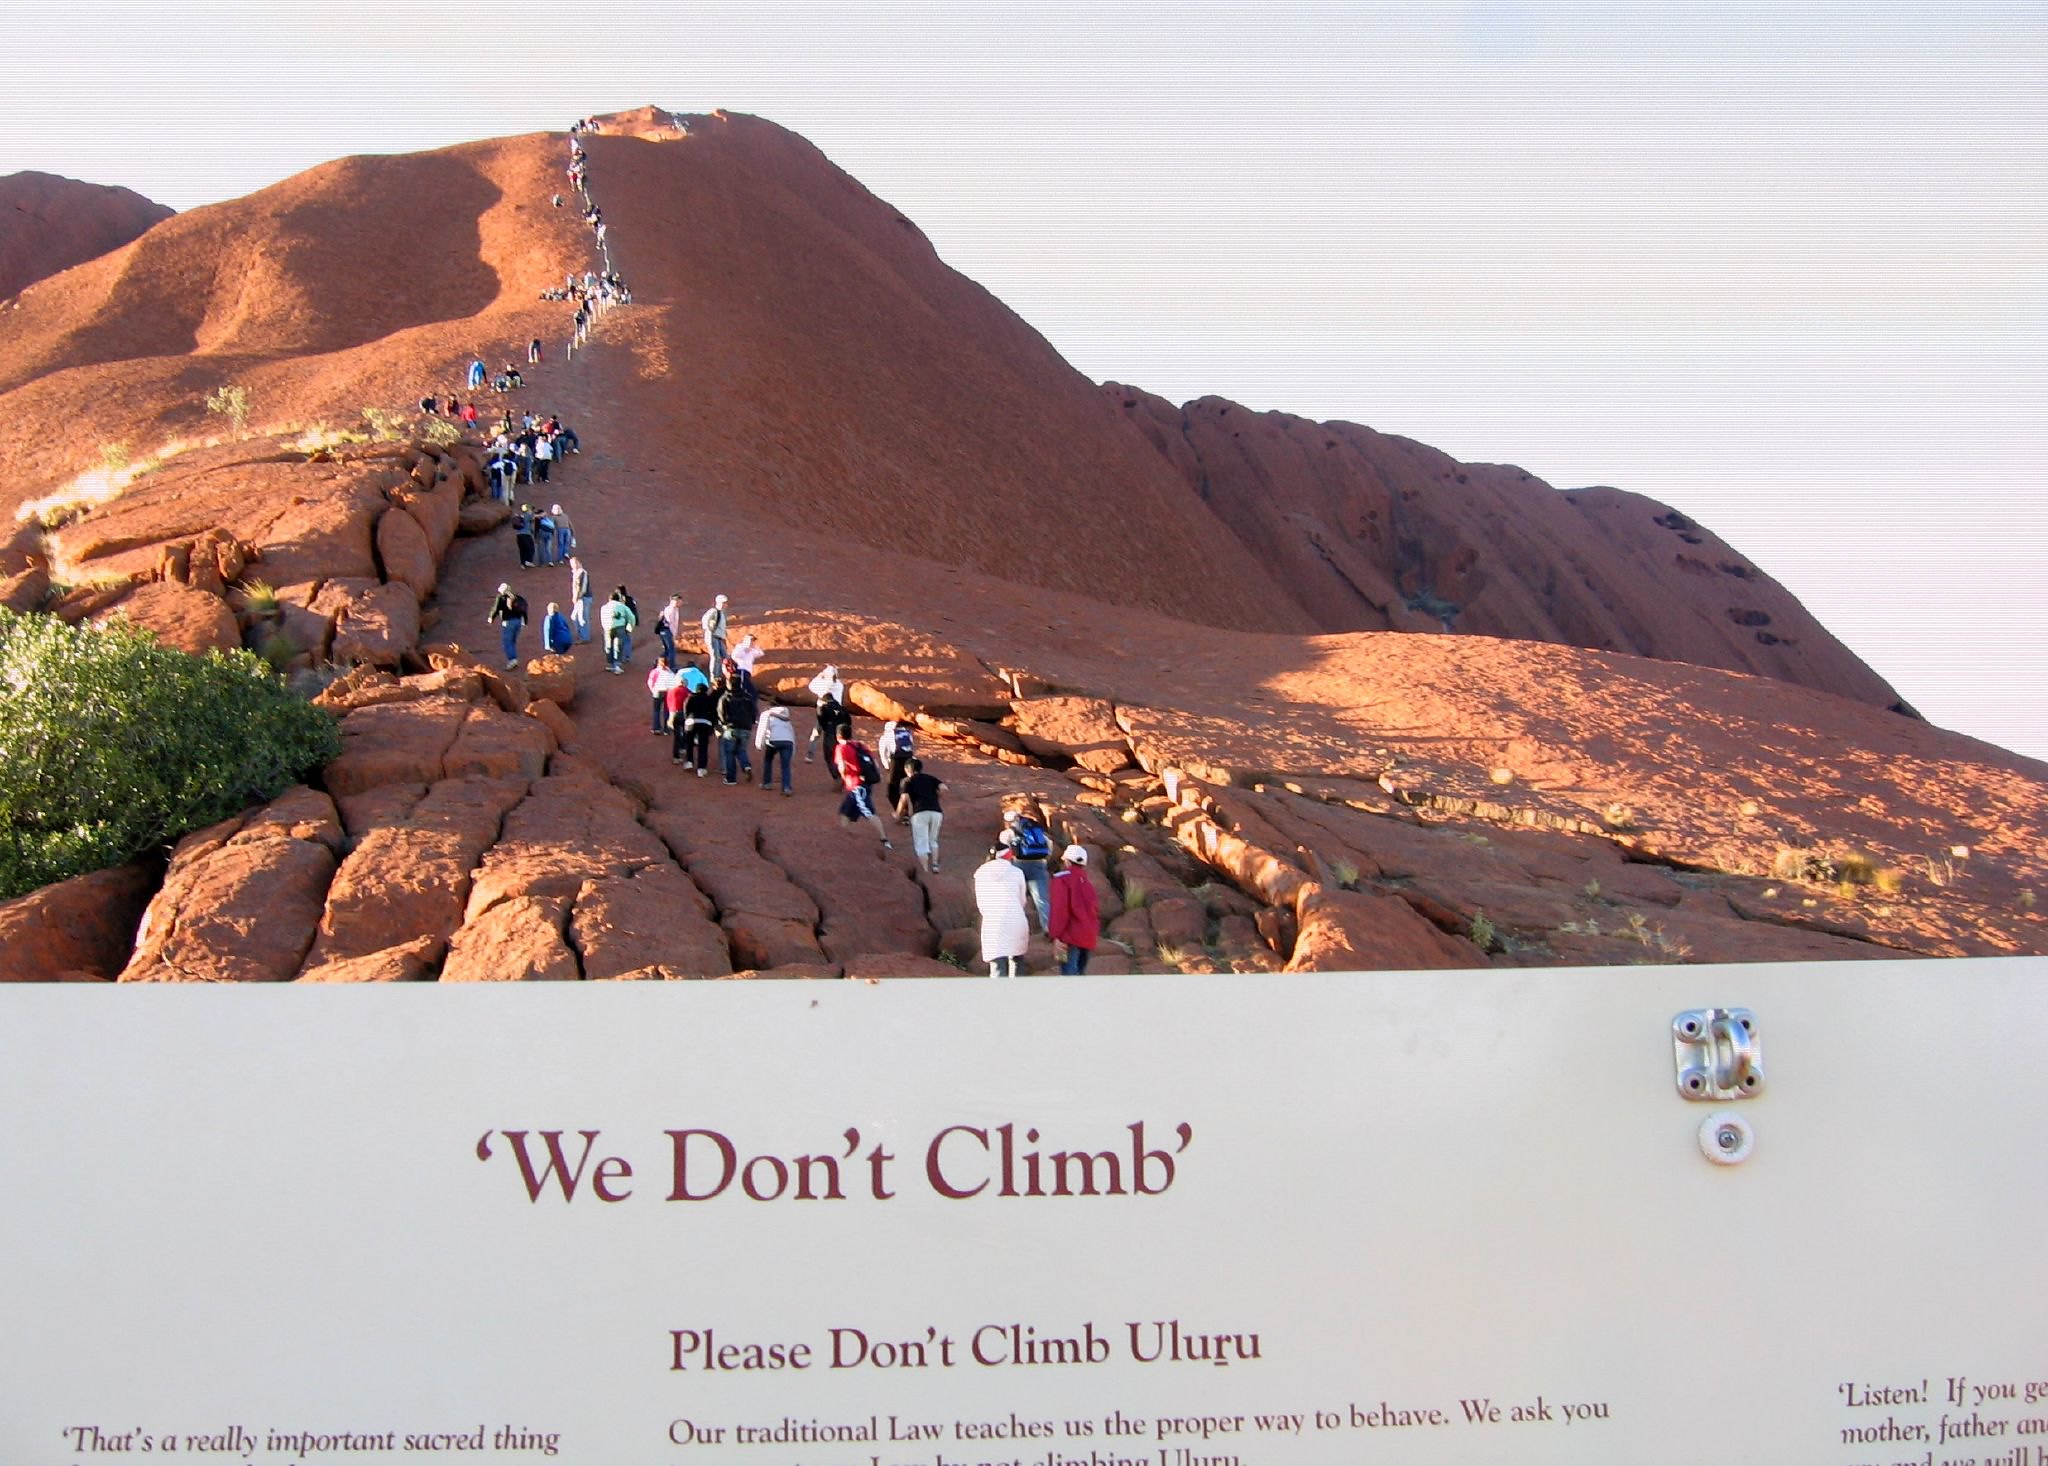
(1311,696)
(48,224)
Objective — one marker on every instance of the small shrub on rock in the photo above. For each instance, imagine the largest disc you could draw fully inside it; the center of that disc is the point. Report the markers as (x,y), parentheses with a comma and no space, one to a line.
(111,744)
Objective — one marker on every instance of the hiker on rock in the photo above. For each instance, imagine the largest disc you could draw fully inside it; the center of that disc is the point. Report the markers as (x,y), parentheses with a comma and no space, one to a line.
(533,351)
(676,699)
(661,680)
(897,746)
(477,372)
(835,724)
(746,652)
(775,735)
(508,611)
(713,622)
(522,533)
(825,684)
(565,535)
(579,598)
(544,539)
(858,776)
(919,804)
(999,896)
(554,631)
(1076,911)
(632,625)
(1033,848)
(700,716)
(669,625)
(618,620)
(543,456)
(736,714)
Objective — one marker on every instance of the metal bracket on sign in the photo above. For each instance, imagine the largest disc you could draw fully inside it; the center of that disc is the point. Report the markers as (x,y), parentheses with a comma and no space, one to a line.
(1717,1053)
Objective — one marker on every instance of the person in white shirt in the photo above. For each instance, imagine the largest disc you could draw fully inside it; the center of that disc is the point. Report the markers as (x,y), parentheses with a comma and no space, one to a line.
(660,679)
(775,735)
(999,896)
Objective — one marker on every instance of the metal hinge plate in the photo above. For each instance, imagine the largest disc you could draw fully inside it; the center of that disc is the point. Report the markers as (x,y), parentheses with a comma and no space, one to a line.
(1717,1053)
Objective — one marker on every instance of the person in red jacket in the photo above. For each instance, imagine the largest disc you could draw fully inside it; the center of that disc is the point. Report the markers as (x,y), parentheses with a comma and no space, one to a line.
(857,775)
(1076,912)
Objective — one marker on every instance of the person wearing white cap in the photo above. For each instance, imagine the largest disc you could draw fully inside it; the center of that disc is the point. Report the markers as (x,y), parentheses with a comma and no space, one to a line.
(1076,911)
(714,623)
(999,896)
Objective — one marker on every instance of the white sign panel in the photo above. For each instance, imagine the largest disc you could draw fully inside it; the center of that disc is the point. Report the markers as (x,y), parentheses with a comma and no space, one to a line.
(1430,1218)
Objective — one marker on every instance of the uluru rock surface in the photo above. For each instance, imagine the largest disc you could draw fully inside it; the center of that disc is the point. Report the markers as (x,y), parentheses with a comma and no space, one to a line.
(48,224)
(1372,532)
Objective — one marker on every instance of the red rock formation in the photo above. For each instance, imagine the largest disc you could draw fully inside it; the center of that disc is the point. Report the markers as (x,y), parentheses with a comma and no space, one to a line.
(1377,533)
(806,409)
(83,927)
(48,224)
(241,897)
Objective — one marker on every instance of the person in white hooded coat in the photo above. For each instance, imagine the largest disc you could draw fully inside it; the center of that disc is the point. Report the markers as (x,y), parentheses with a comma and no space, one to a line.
(999,895)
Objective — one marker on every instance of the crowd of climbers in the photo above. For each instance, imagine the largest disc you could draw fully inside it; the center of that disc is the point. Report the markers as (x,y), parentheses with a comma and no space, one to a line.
(698,706)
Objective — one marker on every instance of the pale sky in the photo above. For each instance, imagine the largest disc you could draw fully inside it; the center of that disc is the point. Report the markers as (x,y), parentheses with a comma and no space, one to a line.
(1783,266)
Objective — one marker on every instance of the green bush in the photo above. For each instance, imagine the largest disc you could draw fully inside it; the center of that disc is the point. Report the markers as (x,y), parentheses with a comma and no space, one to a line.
(111,744)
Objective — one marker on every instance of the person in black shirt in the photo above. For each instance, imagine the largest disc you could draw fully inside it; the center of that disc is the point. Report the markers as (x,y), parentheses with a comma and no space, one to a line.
(919,803)
(699,715)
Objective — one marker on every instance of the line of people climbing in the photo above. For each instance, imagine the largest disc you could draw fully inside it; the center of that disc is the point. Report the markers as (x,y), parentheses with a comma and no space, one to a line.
(696,705)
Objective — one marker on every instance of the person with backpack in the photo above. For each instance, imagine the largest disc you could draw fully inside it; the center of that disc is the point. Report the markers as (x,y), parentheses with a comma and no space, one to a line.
(508,612)
(1033,848)
(714,624)
(857,776)
(897,746)
(919,803)
(775,734)
(504,470)
(736,713)
(554,631)
(1076,912)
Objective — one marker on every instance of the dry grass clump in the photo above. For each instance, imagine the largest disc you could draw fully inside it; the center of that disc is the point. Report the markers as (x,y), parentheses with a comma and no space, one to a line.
(1848,868)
